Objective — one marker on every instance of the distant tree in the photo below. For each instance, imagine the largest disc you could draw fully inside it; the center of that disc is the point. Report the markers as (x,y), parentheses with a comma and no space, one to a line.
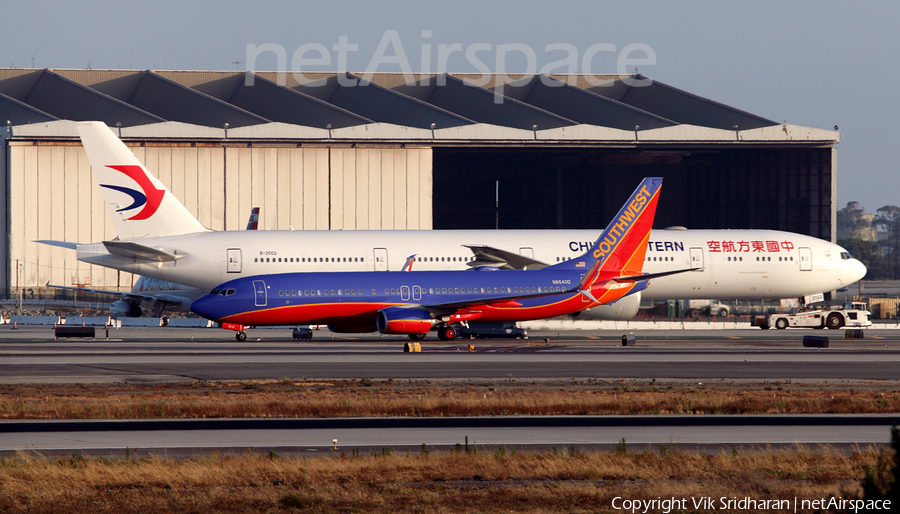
(889,220)
(852,222)
(869,253)
(880,482)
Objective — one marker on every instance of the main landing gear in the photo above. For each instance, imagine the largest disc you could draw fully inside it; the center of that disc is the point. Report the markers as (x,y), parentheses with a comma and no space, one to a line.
(446,333)
(241,335)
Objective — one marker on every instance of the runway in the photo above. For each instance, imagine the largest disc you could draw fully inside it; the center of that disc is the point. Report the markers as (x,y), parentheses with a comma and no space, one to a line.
(187,437)
(163,355)
(149,355)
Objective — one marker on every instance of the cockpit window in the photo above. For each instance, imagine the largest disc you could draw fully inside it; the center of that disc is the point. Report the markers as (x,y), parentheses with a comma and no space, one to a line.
(222,292)
(846,256)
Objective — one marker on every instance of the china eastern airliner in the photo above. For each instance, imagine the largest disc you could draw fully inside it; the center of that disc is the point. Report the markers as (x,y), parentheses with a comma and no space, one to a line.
(159,238)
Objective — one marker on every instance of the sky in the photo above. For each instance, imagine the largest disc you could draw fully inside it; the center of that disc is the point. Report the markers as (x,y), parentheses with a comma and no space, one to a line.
(816,64)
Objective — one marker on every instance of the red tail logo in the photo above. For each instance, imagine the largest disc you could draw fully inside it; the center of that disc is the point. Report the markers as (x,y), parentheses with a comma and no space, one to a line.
(150,199)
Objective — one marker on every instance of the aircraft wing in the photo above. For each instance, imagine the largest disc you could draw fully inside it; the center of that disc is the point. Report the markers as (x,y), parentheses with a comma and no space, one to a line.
(160,298)
(512,300)
(490,256)
(87,289)
(507,300)
(140,252)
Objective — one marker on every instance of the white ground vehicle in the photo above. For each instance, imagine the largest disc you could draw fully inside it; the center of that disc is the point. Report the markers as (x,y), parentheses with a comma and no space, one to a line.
(850,315)
(694,308)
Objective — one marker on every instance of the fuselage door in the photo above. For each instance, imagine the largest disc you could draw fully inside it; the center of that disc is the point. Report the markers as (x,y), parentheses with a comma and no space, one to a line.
(417,293)
(527,251)
(805,259)
(381,263)
(404,293)
(233,258)
(259,288)
(696,258)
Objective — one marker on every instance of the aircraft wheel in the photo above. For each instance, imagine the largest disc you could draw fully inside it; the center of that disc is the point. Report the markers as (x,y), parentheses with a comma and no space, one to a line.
(442,333)
(450,333)
(781,323)
(417,337)
(834,321)
(241,336)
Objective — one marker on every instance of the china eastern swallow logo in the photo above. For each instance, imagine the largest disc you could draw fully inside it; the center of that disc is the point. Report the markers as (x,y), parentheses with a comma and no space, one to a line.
(149,199)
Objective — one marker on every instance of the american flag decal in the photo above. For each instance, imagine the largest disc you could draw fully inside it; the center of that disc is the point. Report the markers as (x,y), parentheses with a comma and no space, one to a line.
(579,264)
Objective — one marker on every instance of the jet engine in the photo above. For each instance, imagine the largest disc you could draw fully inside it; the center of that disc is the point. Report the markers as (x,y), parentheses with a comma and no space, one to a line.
(124,309)
(622,310)
(403,320)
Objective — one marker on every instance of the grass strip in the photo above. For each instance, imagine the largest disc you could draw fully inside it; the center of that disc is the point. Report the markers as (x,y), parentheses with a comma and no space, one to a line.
(383,398)
(459,481)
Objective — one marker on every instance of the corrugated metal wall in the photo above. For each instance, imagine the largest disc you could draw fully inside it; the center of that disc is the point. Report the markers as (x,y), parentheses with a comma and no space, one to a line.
(54,196)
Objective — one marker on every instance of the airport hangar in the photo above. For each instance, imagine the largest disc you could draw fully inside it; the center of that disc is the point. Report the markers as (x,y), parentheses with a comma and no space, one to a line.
(391,151)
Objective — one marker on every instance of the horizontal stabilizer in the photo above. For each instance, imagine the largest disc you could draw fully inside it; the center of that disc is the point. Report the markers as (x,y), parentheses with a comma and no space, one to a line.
(490,256)
(140,252)
(650,276)
(61,244)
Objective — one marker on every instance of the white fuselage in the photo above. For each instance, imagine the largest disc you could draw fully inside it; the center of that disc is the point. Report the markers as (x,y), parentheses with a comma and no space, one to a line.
(740,264)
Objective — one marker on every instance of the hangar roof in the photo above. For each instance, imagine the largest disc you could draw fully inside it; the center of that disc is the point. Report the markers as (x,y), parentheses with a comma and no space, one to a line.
(454,107)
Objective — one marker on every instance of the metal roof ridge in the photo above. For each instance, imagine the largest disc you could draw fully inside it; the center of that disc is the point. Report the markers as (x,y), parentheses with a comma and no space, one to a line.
(696,97)
(29,107)
(306,97)
(411,99)
(102,95)
(612,101)
(206,96)
(513,100)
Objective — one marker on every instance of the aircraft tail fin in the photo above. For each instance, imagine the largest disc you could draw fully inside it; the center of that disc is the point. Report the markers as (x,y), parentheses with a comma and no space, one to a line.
(138,203)
(621,248)
(253,222)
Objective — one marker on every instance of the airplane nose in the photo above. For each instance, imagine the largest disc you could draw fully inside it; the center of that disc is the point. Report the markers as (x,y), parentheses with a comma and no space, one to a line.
(853,271)
(204,306)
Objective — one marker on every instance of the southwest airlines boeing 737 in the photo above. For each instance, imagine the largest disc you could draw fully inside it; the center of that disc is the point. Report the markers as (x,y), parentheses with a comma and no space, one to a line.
(159,238)
(411,302)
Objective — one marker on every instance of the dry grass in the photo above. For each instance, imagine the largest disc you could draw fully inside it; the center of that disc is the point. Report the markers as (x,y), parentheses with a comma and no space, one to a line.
(287,398)
(446,482)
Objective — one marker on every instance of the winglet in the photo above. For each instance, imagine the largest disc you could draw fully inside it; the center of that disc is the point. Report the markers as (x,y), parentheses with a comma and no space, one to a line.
(409,263)
(61,244)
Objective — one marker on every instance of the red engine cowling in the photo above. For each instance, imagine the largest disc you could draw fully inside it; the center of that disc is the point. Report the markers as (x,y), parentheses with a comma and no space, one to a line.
(403,320)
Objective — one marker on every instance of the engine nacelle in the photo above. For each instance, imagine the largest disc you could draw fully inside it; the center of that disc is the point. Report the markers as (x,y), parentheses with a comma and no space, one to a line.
(352,329)
(403,320)
(123,309)
(622,310)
